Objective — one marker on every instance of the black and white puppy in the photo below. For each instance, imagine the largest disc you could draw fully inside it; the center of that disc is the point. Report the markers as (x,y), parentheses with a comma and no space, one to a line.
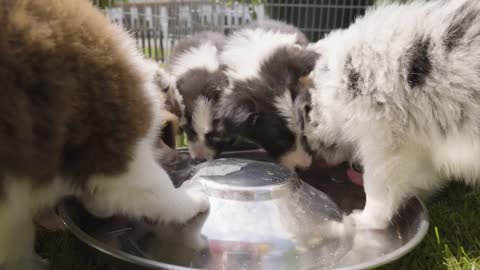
(200,81)
(404,98)
(265,64)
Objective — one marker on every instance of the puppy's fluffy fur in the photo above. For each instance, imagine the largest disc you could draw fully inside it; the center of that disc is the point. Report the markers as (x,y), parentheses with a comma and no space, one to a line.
(404,98)
(200,81)
(265,63)
(79,115)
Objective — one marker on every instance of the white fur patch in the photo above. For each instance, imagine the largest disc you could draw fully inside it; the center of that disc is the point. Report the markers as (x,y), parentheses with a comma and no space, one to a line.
(284,105)
(202,115)
(145,190)
(21,203)
(246,50)
(204,56)
(202,120)
(297,157)
(199,150)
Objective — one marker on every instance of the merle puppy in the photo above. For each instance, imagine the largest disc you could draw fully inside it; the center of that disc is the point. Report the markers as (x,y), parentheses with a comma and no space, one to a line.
(403,98)
(200,81)
(80,115)
(265,64)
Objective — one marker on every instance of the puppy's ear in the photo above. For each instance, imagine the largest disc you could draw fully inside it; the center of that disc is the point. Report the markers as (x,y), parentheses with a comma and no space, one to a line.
(306,82)
(252,118)
(238,111)
(243,115)
(218,82)
(166,84)
(307,108)
(303,61)
(163,80)
(303,106)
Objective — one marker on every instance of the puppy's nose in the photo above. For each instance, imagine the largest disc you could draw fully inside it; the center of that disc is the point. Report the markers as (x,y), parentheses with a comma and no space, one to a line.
(299,169)
(199,159)
(357,167)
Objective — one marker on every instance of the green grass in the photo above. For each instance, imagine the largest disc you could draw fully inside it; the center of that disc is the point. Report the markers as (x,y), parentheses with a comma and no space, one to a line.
(181,141)
(452,243)
(151,53)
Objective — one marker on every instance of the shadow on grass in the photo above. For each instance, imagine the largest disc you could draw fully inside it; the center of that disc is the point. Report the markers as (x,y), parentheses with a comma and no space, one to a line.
(453,241)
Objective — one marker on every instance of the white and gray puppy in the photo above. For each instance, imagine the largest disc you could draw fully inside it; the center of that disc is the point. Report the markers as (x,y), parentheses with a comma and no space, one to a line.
(265,63)
(400,91)
(200,80)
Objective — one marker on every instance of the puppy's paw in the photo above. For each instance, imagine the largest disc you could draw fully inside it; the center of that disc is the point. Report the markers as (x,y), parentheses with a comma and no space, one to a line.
(364,221)
(196,242)
(99,212)
(196,193)
(193,201)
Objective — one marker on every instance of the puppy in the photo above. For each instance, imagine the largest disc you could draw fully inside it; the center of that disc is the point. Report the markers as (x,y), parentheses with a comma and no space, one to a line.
(403,98)
(171,112)
(265,65)
(79,115)
(278,26)
(200,81)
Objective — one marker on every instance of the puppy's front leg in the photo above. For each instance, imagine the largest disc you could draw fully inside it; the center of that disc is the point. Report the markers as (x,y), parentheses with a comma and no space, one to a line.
(388,180)
(145,191)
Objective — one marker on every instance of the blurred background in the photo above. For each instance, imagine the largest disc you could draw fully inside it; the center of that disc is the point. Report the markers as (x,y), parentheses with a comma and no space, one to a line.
(158,24)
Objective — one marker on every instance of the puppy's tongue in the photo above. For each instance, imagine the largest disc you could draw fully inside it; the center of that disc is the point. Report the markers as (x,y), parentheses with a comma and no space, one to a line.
(355,176)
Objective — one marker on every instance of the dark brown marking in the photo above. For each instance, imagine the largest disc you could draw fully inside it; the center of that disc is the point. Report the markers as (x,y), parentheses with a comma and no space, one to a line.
(420,64)
(71,103)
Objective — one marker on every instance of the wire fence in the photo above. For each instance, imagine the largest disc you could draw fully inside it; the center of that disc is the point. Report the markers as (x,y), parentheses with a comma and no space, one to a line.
(317,17)
(158,24)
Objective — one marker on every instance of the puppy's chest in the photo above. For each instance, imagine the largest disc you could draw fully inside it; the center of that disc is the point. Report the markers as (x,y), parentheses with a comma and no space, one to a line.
(458,156)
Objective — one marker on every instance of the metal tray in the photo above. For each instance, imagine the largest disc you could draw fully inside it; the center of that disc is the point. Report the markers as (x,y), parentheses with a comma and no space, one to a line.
(131,244)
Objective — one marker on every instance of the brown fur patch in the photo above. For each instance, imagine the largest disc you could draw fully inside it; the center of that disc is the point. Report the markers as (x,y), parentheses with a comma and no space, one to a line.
(170,111)
(70,102)
(306,82)
(167,86)
(170,128)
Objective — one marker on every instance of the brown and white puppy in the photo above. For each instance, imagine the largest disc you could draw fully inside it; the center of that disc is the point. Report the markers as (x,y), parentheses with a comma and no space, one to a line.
(200,81)
(265,65)
(79,115)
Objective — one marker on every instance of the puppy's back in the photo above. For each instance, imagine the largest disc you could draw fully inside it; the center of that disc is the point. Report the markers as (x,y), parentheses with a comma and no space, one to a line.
(70,99)
(281,27)
(196,40)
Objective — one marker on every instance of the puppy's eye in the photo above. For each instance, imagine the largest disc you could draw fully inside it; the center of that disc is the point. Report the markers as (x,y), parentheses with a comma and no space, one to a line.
(189,131)
(307,109)
(328,147)
(214,137)
(211,135)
